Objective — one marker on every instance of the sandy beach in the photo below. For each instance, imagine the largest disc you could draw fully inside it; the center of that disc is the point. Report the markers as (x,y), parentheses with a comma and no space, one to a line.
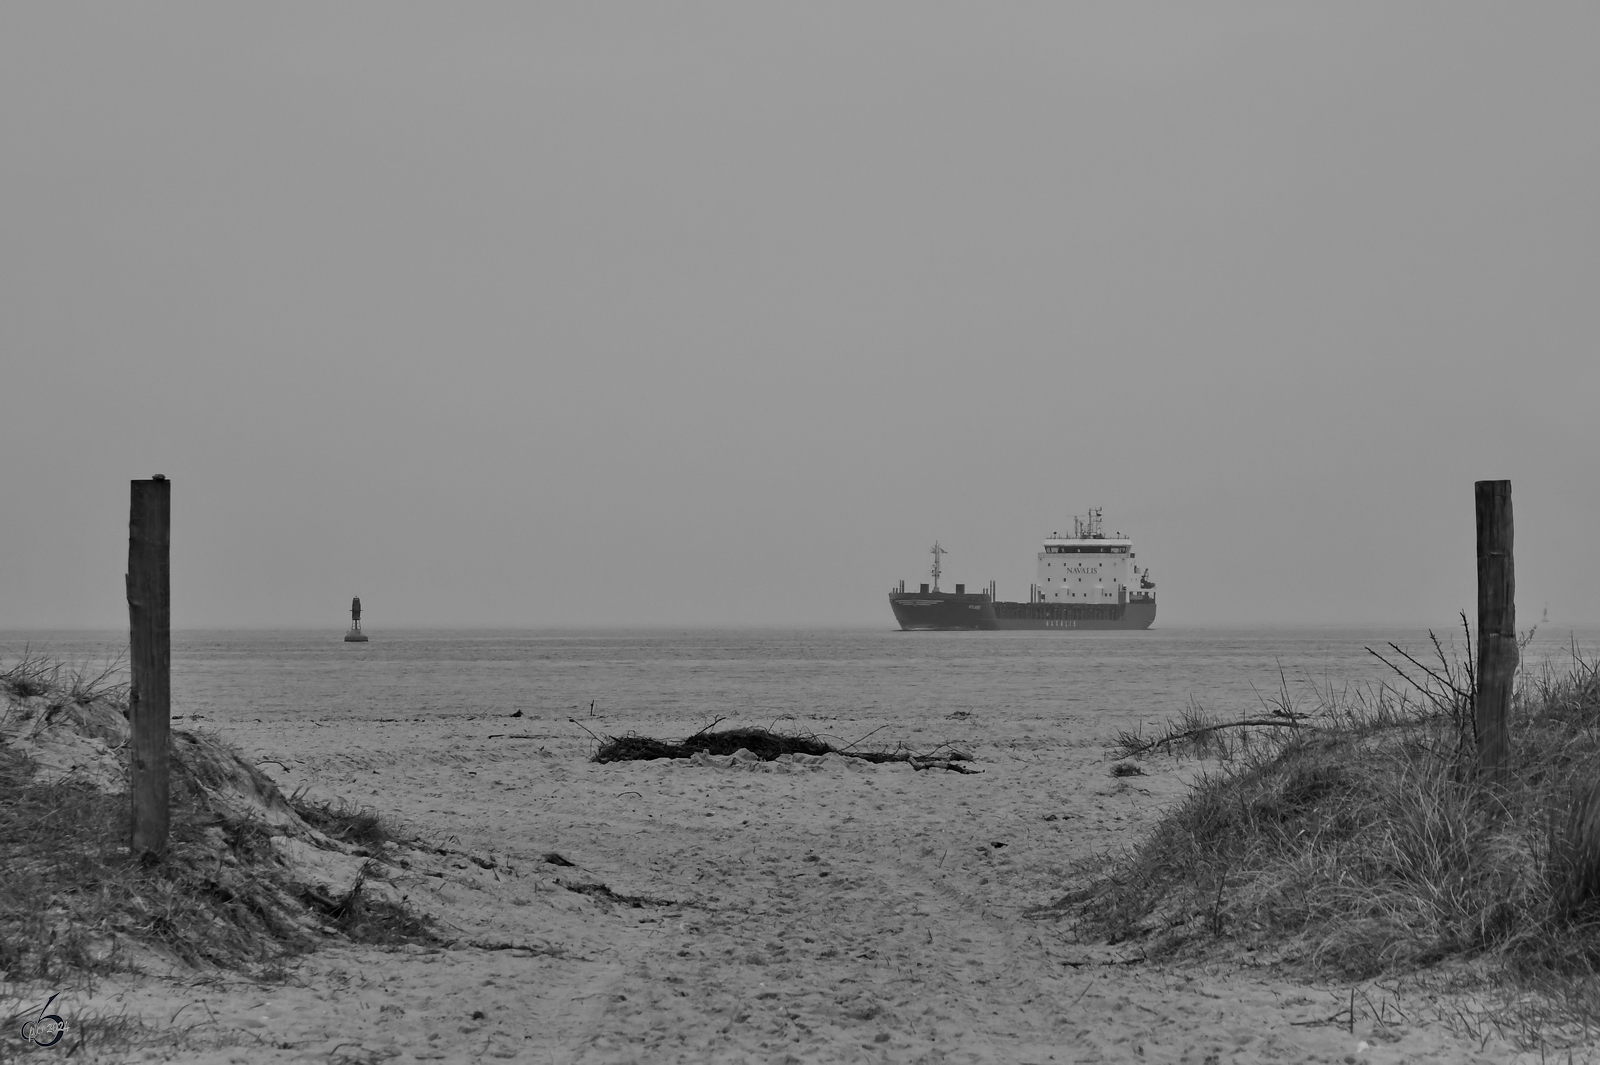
(775,912)
(410,396)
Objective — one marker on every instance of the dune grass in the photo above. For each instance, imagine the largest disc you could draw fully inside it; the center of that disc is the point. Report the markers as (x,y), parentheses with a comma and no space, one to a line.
(33,674)
(1351,835)
(74,902)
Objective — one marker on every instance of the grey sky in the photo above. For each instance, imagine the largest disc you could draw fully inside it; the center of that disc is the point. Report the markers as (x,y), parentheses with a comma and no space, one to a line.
(686,313)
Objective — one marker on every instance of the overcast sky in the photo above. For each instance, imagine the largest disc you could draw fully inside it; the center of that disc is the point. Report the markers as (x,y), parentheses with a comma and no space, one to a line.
(698,314)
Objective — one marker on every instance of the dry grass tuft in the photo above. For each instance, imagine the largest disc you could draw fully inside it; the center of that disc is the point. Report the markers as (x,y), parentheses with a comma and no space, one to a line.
(1573,850)
(34,675)
(359,826)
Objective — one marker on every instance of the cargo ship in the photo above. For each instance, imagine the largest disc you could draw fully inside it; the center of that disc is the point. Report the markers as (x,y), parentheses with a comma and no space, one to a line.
(1085,581)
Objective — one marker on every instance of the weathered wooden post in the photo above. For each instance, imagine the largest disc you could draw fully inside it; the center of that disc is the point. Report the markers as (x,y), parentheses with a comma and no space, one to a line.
(150,655)
(1497,629)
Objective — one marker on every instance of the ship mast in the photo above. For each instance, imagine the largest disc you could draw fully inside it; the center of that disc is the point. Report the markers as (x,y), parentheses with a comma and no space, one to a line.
(1087,528)
(937,551)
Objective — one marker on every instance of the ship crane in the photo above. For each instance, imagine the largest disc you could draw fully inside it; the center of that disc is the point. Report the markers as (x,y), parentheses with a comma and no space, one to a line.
(937,552)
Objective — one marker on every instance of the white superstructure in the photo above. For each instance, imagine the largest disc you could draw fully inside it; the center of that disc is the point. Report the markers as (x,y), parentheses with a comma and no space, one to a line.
(1089,567)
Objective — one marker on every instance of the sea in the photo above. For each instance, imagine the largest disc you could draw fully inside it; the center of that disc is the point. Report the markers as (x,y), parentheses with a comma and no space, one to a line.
(1106,681)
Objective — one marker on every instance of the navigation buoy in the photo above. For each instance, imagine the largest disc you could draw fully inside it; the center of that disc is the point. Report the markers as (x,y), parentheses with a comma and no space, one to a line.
(355,635)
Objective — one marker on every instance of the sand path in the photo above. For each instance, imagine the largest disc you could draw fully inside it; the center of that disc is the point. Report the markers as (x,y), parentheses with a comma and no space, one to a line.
(840,913)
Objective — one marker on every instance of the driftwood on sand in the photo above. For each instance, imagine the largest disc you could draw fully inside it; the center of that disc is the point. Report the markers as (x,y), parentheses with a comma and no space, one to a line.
(1133,745)
(766,745)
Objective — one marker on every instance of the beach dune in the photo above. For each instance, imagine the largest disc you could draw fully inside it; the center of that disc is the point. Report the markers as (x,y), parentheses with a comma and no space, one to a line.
(745,911)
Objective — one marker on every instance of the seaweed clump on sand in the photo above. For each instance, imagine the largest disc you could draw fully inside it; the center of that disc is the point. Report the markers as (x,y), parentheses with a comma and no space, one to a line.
(760,742)
(766,745)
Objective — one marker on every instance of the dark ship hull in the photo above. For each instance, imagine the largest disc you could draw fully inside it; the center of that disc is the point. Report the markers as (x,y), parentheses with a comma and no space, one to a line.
(947,611)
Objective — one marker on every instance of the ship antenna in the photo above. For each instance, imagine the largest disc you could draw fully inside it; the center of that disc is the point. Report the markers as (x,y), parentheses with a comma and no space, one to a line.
(937,551)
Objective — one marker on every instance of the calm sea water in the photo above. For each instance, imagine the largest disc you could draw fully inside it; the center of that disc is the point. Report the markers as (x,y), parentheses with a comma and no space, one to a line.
(755,676)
